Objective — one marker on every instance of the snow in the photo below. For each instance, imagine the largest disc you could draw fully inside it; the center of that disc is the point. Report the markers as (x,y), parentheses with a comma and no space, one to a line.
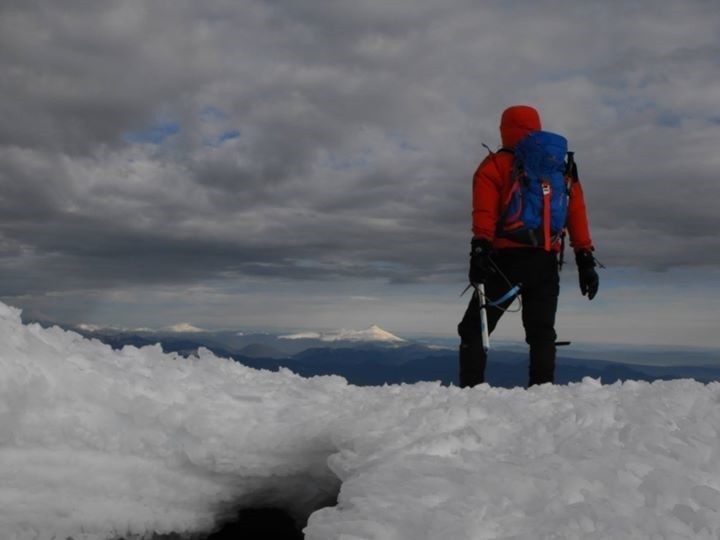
(303,335)
(89,327)
(96,443)
(183,328)
(374,333)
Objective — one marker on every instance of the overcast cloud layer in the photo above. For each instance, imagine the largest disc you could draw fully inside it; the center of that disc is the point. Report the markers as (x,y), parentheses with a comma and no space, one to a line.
(152,143)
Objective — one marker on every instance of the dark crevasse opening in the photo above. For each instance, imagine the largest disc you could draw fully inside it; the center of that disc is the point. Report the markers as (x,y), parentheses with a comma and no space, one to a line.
(266,523)
(261,523)
(269,522)
(279,512)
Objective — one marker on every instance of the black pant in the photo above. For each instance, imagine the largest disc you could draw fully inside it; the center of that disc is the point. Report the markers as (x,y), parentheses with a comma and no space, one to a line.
(537,271)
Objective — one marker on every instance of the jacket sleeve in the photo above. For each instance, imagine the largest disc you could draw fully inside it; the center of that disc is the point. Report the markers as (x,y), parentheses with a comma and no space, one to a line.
(487,188)
(577,223)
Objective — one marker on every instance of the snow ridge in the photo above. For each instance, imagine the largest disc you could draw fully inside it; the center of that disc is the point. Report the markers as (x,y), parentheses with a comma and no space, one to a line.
(98,443)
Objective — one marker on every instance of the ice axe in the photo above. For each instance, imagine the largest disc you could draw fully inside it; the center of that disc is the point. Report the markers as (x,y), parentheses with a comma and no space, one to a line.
(483,318)
(486,303)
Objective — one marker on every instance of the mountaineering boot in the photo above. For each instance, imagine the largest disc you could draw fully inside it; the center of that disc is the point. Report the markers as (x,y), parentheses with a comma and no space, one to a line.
(472,364)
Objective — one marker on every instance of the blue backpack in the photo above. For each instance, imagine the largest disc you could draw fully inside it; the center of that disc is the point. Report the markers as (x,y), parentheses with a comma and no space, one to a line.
(535,210)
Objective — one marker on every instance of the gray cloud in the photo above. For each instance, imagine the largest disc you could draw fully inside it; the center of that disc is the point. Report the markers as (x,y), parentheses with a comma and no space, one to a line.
(173,142)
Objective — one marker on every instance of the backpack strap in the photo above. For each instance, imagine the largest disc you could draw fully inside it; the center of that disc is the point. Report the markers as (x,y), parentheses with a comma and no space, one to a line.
(571,171)
(571,174)
(546,193)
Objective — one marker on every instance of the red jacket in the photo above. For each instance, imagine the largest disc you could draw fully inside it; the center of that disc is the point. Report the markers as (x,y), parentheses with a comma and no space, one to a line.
(491,186)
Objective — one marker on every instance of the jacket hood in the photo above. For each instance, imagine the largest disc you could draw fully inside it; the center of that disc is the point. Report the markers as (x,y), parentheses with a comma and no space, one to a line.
(516,122)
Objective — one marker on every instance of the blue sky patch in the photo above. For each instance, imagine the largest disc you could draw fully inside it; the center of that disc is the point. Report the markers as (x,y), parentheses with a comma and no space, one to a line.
(229,135)
(154,134)
(219,140)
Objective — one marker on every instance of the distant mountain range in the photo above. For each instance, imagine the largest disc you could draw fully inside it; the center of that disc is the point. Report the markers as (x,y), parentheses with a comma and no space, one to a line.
(375,357)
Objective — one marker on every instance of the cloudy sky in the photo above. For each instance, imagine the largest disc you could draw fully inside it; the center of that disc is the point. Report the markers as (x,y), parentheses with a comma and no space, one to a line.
(283,164)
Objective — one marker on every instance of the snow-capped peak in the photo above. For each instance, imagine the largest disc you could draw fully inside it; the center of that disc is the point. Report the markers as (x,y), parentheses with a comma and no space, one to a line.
(182,328)
(88,327)
(374,333)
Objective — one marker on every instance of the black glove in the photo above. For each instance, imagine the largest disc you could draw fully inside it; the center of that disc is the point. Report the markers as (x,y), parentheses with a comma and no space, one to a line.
(589,280)
(481,266)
